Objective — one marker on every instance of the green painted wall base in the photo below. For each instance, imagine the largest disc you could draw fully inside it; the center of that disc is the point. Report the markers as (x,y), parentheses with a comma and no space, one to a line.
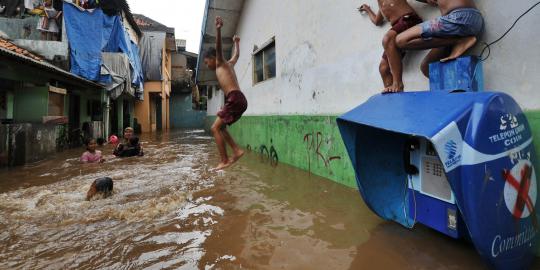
(534,121)
(312,143)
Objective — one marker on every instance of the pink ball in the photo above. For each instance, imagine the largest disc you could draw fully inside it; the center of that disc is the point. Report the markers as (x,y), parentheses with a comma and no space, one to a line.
(113,139)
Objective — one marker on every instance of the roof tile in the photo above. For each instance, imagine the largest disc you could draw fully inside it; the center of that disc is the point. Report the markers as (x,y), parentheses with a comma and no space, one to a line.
(5,44)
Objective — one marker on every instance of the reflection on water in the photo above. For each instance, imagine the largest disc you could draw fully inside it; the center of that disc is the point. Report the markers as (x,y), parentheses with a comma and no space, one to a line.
(168,211)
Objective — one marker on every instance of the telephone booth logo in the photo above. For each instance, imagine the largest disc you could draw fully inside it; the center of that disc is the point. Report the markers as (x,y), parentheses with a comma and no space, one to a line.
(451,149)
(509,121)
(520,190)
(452,156)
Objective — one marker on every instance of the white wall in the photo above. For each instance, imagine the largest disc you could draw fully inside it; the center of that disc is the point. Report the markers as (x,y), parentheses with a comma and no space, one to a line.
(216,102)
(327,55)
(132,34)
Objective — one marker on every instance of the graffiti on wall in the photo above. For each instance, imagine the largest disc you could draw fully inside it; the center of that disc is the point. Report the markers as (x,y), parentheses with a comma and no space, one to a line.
(267,155)
(318,147)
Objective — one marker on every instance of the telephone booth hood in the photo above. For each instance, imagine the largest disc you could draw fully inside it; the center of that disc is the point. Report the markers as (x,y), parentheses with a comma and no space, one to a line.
(485,145)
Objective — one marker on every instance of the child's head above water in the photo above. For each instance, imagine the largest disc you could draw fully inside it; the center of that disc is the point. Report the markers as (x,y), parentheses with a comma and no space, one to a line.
(128,133)
(91,145)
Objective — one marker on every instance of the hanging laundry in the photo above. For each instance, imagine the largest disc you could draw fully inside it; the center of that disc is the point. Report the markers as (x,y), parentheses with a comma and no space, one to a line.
(32,4)
(38,8)
(151,48)
(49,22)
(116,73)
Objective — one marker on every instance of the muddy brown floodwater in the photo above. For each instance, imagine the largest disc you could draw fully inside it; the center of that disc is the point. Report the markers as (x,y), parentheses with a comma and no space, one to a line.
(169,212)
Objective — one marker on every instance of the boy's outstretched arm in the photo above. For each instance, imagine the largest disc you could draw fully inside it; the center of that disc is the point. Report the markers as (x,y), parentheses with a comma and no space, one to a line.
(219,48)
(236,53)
(377,19)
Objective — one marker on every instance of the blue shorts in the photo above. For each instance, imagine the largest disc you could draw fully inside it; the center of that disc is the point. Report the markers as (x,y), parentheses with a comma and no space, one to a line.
(461,22)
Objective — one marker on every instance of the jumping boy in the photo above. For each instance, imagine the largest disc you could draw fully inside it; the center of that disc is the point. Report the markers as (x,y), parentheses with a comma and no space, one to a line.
(235,101)
(448,36)
(402,17)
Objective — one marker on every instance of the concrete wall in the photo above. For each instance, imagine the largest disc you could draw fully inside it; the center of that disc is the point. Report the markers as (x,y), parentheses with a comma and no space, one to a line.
(31,104)
(9,107)
(142,111)
(179,68)
(3,104)
(327,58)
(47,49)
(132,34)
(16,28)
(27,143)
(217,100)
(327,63)
(182,113)
(163,87)
(4,146)
(23,32)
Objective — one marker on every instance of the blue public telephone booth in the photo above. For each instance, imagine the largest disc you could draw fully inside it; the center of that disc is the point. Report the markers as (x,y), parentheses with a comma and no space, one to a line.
(455,159)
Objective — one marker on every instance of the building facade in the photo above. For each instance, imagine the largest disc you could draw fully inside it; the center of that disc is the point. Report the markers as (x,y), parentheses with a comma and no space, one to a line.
(58,86)
(301,71)
(185,103)
(43,108)
(157,46)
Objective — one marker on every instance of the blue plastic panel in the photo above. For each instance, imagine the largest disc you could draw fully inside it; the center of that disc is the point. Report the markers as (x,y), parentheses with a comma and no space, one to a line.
(434,213)
(464,73)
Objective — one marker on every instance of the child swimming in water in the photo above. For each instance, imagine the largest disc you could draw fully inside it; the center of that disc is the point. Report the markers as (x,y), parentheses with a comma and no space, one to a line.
(131,148)
(102,185)
(92,155)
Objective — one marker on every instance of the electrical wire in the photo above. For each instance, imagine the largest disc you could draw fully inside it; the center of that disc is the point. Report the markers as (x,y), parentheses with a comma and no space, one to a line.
(409,180)
(488,45)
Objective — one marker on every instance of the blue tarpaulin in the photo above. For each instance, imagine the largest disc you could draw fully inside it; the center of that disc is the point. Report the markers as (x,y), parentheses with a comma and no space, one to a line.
(83,28)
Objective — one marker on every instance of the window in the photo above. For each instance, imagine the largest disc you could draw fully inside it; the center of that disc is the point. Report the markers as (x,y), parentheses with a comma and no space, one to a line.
(264,62)
(56,101)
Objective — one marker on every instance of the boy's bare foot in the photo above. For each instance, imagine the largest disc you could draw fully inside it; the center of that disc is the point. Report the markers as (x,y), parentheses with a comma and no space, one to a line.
(237,155)
(222,166)
(394,88)
(459,49)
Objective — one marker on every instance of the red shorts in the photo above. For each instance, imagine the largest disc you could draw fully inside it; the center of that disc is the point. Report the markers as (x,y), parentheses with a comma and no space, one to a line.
(235,105)
(405,22)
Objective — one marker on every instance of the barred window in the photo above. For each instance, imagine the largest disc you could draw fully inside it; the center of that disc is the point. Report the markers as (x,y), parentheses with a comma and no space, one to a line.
(264,62)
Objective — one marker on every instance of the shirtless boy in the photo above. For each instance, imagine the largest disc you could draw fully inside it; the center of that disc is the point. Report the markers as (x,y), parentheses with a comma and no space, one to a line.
(402,17)
(235,101)
(448,36)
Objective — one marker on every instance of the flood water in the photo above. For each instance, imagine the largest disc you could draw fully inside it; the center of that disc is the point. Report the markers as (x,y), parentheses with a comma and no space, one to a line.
(169,211)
